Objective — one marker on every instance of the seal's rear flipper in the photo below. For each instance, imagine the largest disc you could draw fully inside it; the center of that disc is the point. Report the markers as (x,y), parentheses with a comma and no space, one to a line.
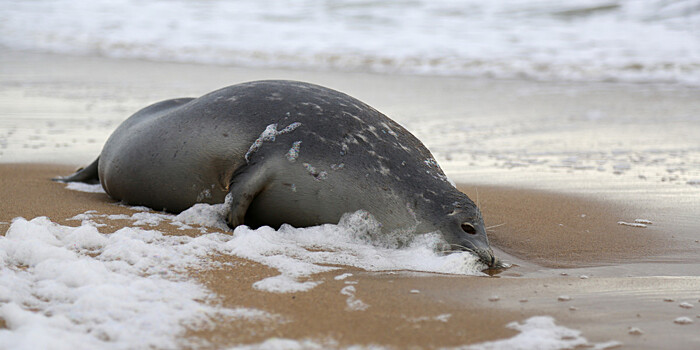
(87,175)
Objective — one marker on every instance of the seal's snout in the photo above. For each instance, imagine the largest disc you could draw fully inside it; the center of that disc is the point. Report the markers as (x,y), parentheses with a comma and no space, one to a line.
(486,257)
(481,250)
(474,240)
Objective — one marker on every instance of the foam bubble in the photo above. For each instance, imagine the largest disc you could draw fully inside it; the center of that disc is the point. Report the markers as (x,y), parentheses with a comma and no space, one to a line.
(635,331)
(284,284)
(439,318)
(539,332)
(342,276)
(353,303)
(632,224)
(686,305)
(83,187)
(683,320)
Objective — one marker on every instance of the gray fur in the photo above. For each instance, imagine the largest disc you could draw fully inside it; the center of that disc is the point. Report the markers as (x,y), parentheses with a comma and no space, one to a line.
(288,152)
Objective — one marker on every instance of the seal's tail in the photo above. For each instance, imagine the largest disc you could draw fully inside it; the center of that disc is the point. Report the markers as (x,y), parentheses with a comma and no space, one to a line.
(87,175)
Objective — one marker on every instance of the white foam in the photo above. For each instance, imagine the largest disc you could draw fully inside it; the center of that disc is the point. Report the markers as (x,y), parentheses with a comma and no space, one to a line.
(288,344)
(209,215)
(439,318)
(128,289)
(342,276)
(83,187)
(632,224)
(353,303)
(300,253)
(540,332)
(683,320)
(284,284)
(443,317)
(635,331)
(206,215)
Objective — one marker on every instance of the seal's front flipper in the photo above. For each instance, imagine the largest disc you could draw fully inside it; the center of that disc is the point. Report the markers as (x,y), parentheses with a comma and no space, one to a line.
(87,175)
(246,184)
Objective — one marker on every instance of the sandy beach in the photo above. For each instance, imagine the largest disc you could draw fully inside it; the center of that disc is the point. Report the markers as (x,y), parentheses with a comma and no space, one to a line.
(555,216)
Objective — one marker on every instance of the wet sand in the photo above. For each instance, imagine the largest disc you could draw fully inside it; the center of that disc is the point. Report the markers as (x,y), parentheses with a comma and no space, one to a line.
(551,263)
(555,224)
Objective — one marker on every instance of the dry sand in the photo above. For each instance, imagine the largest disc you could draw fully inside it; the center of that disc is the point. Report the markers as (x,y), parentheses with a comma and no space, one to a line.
(547,249)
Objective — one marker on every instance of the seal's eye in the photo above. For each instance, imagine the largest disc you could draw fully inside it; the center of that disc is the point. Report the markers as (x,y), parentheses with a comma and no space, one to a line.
(468,228)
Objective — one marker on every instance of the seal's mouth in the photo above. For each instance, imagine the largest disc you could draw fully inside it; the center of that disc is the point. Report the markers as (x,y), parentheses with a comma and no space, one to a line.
(485,255)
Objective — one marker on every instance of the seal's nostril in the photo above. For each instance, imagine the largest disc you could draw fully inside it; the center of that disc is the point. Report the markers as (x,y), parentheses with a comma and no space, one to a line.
(468,228)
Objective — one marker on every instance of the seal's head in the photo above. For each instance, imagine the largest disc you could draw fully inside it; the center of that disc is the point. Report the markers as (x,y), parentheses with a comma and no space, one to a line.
(463,229)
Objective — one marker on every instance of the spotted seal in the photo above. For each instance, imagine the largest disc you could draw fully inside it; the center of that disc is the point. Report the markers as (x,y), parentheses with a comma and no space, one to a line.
(287,152)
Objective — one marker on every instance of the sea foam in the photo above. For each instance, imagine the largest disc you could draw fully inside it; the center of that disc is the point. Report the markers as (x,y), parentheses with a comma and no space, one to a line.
(128,289)
(602,40)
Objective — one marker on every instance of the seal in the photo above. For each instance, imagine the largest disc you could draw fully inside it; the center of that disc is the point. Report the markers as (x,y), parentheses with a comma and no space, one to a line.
(286,152)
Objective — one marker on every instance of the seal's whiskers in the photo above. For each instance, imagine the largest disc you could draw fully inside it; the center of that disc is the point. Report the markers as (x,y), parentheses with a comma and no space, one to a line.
(494,226)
